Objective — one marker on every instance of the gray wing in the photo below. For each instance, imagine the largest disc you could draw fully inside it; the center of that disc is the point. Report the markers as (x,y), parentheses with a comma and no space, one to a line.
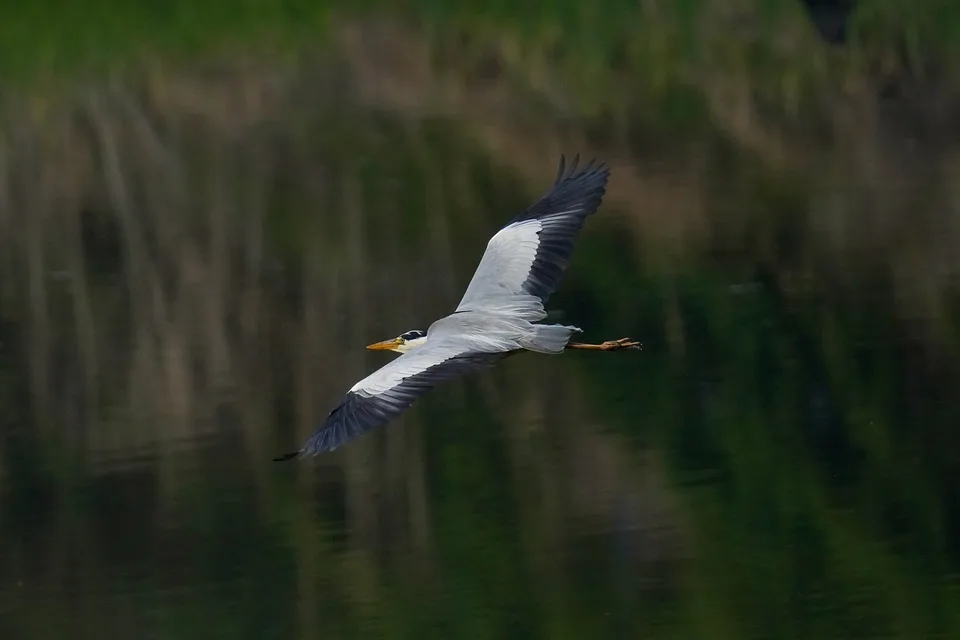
(389,391)
(530,254)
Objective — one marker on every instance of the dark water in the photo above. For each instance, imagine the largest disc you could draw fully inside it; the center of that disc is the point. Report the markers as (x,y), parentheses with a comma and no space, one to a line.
(767,467)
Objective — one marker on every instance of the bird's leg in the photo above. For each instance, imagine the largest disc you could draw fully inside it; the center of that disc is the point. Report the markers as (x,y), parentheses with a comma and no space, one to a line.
(609,345)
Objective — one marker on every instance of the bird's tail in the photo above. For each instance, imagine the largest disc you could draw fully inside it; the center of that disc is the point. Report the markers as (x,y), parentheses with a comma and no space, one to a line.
(548,338)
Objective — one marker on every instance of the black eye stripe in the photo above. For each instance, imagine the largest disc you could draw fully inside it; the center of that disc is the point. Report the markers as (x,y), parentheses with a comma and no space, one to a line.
(413,335)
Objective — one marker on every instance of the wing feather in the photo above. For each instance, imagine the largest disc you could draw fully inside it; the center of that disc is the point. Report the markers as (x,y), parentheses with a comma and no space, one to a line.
(389,391)
(529,255)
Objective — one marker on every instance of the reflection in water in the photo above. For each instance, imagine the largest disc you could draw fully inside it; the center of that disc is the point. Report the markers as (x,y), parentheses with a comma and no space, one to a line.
(775,463)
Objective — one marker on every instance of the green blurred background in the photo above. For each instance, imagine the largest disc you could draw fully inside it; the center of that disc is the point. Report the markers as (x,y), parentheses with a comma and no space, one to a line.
(207,209)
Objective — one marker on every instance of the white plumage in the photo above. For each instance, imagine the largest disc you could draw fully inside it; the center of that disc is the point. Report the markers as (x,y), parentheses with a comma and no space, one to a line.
(505,265)
(409,364)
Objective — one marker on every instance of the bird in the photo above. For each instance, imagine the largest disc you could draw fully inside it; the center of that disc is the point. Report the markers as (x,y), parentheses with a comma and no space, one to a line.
(499,315)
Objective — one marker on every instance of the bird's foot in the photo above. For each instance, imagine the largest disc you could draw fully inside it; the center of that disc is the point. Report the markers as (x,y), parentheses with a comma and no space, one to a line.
(622,343)
(609,345)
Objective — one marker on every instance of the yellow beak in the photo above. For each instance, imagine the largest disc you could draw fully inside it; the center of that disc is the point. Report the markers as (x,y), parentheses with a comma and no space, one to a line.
(386,345)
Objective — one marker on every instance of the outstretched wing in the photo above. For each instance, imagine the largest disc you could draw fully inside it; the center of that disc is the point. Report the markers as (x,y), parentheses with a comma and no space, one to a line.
(530,254)
(389,391)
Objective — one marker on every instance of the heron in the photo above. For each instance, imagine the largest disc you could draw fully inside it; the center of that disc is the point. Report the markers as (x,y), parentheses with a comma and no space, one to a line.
(500,314)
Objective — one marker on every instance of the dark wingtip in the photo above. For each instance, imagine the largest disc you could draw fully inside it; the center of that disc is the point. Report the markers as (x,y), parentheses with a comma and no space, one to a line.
(594,166)
(287,456)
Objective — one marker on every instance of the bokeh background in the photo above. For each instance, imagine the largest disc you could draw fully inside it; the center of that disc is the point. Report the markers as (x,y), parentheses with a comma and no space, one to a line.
(208,208)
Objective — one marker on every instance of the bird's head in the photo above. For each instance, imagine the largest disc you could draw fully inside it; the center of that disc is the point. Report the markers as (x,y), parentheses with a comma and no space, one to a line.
(402,343)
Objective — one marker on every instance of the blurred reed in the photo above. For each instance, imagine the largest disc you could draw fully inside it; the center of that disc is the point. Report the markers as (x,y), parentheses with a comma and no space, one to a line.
(227,198)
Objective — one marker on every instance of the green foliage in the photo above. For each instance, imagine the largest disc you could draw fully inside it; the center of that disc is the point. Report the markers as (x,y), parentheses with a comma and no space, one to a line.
(57,36)
(592,40)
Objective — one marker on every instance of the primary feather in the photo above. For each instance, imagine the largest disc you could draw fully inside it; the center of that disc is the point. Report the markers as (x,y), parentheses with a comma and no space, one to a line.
(389,391)
(530,254)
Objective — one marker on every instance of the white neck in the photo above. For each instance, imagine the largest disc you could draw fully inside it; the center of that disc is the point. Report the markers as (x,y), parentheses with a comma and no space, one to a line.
(410,344)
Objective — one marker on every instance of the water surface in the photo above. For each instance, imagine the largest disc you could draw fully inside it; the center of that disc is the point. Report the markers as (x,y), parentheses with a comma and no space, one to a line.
(771,465)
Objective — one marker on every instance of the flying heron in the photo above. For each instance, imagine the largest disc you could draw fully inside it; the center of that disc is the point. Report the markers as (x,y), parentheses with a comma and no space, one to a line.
(498,316)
